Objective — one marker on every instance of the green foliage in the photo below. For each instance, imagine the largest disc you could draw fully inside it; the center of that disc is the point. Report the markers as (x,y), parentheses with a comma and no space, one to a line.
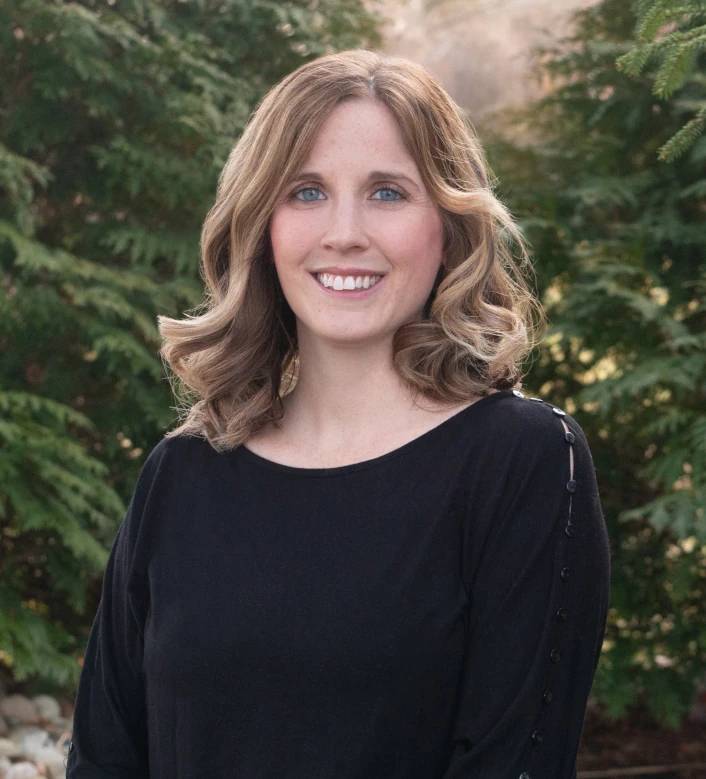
(115,120)
(674,33)
(619,243)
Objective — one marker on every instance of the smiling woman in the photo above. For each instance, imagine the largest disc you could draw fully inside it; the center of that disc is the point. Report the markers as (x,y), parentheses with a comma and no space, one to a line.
(347,231)
(320,576)
(354,165)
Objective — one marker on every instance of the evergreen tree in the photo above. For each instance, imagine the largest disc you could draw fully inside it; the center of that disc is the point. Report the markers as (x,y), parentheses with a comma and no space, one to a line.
(116,118)
(619,243)
(681,27)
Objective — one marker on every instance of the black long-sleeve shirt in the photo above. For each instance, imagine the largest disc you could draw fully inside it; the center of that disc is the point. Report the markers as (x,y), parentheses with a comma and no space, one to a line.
(436,612)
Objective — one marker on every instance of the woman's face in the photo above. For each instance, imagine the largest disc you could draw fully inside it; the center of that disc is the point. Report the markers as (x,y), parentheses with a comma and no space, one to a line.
(356,209)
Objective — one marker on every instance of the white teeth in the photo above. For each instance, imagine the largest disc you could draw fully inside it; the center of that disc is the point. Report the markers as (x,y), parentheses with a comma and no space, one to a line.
(347,282)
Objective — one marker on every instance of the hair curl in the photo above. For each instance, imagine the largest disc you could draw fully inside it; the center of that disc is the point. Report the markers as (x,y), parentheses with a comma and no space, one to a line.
(237,354)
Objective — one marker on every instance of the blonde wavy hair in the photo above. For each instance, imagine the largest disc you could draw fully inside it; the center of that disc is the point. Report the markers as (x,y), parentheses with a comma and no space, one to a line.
(235,355)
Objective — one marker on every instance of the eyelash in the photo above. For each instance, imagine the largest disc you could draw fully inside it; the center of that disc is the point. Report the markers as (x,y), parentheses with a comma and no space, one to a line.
(391,187)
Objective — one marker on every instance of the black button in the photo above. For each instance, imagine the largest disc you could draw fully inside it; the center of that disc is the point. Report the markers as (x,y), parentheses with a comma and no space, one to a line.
(571,485)
(537,737)
(517,394)
(565,574)
(569,436)
(570,530)
(525,775)
(555,655)
(559,412)
(547,697)
(561,614)
(539,400)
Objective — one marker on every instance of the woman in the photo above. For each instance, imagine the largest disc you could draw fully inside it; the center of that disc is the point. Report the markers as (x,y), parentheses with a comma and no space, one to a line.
(364,553)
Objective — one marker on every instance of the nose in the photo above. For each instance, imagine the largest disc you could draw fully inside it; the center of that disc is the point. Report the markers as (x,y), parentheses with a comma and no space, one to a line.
(345,230)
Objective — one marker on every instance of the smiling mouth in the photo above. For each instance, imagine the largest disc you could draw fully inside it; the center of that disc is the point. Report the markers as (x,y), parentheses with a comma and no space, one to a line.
(347,283)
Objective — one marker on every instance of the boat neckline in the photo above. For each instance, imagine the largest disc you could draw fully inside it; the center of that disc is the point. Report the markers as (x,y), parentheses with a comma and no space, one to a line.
(408,447)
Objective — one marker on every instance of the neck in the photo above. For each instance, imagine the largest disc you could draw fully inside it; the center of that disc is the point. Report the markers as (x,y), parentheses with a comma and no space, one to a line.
(346,393)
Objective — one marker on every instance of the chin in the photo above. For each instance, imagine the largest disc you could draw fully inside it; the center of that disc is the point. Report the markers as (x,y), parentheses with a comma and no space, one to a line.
(350,336)
(352,339)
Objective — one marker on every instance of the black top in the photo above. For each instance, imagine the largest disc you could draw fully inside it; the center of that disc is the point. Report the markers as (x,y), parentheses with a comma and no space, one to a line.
(436,612)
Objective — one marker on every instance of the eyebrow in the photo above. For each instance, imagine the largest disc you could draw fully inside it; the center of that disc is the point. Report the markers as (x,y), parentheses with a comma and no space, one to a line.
(373,175)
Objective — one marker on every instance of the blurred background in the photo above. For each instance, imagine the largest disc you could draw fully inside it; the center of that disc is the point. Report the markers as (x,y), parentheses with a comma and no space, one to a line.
(116,117)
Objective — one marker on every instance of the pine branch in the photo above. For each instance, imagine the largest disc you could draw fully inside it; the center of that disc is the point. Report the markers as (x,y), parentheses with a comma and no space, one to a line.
(677,53)
(679,59)
(18,177)
(684,139)
(663,13)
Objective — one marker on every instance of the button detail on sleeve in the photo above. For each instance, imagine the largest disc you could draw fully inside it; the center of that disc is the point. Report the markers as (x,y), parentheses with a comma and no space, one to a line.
(539,400)
(517,394)
(537,737)
(71,746)
(538,734)
(524,775)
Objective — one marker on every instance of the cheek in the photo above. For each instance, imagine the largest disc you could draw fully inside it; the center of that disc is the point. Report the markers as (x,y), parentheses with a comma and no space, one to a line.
(432,232)
(420,240)
(289,237)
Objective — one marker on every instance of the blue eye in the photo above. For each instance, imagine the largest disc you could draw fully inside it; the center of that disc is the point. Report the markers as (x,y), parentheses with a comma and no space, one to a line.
(306,189)
(394,192)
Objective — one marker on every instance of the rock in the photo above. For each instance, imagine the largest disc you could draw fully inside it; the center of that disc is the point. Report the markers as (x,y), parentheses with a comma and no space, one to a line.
(19,733)
(53,762)
(37,747)
(56,727)
(18,710)
(9,748)
(35,743)
(23,771)
(56,769)
(47,707)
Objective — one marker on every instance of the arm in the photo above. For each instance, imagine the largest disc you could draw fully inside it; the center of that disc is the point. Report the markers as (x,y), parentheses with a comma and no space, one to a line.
(537,613)
(109,725)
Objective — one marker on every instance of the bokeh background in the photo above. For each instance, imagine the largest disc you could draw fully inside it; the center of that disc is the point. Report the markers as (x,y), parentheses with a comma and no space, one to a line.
(116,117)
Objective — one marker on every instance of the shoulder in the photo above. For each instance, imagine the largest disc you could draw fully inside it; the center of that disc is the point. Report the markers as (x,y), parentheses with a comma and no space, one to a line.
(531,436)
(534,421)
(544,441)
(171,455)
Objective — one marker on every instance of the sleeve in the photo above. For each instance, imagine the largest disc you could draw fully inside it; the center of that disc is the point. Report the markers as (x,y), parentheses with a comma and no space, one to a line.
(538,602)
(109,736)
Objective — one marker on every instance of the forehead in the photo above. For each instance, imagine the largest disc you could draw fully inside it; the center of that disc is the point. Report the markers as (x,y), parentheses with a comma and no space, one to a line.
(364,131)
